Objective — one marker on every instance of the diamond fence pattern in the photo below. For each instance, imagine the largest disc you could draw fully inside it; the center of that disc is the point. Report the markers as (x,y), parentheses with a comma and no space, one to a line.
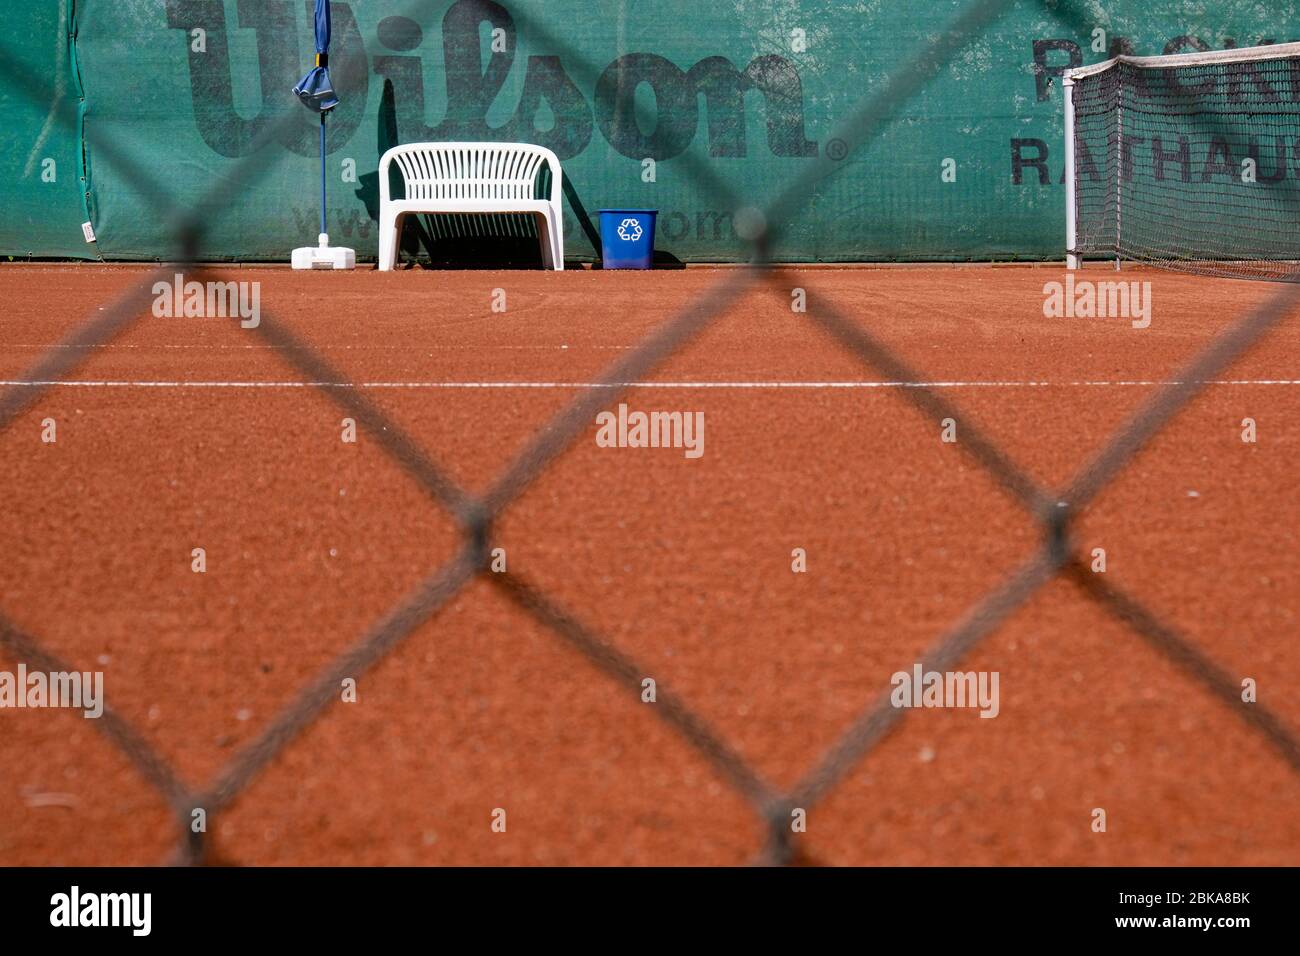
(1053,510)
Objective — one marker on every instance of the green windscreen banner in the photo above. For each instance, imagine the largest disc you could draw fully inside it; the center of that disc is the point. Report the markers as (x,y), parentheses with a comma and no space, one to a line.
(43,185)
(119,113)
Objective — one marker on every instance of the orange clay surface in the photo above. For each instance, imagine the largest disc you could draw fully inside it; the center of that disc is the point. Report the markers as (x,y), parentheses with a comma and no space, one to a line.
(191,433)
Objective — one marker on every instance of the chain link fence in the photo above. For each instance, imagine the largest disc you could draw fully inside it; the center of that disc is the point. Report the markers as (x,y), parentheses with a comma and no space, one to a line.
(1053,510)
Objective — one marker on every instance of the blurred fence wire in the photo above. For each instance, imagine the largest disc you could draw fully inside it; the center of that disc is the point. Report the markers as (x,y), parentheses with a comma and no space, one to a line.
(1053,510)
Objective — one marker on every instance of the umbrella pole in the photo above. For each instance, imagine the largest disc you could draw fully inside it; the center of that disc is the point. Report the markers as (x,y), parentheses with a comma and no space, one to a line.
(322,174)
(315,92)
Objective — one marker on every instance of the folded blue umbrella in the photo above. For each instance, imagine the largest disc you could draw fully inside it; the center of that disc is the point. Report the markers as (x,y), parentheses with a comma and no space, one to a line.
(315,90)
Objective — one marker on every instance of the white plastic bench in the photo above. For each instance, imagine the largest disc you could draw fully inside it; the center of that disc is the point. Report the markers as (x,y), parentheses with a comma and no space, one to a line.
(446,178)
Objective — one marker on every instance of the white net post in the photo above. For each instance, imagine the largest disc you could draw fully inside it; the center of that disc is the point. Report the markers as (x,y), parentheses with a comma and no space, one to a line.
(1071,210)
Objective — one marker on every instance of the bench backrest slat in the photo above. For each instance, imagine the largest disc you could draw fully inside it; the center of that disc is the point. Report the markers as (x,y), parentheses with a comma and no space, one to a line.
(469,171)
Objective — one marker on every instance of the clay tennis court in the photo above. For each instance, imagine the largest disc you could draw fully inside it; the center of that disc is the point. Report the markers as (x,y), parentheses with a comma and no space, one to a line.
(194,433)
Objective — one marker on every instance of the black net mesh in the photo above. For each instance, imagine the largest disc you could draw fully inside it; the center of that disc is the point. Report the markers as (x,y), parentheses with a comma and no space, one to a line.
(1192,167)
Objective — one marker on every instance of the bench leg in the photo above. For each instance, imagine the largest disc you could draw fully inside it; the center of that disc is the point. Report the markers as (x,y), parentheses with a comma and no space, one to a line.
(551,235)
(557,243)
(390,234)
(544,240)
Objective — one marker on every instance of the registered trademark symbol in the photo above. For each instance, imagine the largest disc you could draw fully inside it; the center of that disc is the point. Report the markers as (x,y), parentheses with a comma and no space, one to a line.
(837,149)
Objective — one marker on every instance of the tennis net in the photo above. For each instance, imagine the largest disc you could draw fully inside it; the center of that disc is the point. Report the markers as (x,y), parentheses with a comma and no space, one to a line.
(1190,162)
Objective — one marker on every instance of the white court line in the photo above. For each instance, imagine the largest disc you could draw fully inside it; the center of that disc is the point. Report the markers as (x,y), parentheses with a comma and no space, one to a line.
(319,348)
(1137,383)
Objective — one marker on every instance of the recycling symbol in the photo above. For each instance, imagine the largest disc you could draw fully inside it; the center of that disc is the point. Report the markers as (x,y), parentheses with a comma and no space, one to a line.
(629,230)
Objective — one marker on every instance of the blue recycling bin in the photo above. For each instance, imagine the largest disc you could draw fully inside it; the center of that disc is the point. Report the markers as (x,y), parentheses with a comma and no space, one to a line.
(627,238)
